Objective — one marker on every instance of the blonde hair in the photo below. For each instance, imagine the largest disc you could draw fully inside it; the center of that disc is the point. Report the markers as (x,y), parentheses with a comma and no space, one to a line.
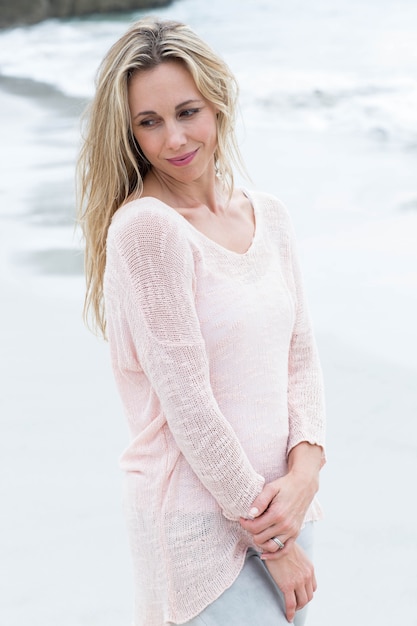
(110,167)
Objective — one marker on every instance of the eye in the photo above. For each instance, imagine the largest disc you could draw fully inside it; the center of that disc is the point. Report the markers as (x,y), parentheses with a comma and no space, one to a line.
(148,123)
(189,112)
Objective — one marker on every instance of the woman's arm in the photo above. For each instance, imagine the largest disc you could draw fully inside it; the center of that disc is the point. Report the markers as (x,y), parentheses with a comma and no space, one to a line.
(150,274)
(289,497)
(281,507)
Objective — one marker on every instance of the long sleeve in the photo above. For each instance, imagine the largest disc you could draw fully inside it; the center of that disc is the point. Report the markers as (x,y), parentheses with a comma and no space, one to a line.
(305,384)
(153,268)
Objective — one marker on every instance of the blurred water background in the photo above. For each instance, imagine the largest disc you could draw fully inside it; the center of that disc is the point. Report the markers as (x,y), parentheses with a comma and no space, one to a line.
(329,124)
(329,103)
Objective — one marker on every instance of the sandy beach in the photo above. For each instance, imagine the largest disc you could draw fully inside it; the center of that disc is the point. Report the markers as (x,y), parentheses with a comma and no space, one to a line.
(64,551)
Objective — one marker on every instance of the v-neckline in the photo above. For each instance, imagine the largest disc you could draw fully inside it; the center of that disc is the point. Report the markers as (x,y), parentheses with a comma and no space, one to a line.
(211,241)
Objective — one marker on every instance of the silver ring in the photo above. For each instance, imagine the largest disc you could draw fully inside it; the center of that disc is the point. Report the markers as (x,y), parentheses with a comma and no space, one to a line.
(279,543)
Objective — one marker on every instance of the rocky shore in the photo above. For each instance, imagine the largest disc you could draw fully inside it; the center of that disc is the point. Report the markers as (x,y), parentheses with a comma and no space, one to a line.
(32,11)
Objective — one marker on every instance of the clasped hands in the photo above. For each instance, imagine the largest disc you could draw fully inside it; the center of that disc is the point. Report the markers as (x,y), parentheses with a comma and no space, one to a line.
(279,511)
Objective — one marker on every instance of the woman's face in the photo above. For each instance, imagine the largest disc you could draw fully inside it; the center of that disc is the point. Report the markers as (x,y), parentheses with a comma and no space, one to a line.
(173,124)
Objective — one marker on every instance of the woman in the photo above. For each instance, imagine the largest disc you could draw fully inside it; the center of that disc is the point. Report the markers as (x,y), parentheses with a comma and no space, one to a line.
(196,285)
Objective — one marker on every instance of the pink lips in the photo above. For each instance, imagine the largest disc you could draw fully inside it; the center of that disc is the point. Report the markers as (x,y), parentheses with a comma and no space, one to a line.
(184,159)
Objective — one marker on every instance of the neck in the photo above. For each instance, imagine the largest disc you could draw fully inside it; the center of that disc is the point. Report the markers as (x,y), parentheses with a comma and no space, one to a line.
(208,192)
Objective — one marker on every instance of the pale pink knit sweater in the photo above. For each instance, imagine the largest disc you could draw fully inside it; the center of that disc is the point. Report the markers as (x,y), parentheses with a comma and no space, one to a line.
(217,369)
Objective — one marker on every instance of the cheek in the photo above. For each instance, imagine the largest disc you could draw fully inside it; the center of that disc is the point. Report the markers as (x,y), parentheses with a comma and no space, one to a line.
(212,130)
(146,143)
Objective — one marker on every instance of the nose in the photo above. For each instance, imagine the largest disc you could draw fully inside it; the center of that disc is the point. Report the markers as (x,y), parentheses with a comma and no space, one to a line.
(175,136)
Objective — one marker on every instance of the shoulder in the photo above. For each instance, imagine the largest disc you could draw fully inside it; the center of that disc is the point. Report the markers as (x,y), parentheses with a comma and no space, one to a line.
(271,209)
(145,213)
(145,220)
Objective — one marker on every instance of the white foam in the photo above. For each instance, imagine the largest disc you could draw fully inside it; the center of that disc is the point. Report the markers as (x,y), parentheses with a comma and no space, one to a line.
(327,68)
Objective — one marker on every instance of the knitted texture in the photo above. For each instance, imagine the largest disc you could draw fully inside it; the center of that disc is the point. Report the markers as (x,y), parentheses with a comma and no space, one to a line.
(216,365)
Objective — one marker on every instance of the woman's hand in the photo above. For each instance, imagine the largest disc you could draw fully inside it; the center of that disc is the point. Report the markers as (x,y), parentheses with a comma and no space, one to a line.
(280,508)
(294,575)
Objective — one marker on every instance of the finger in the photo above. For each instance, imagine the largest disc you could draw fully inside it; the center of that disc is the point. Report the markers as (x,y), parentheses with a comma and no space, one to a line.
(290,605)
(260,525)
(273,519)
(262,501)
(310,585)
(272,552)
(272,523)
(309,591)
(272,531)
(314,581)
(302,598)
(271,545)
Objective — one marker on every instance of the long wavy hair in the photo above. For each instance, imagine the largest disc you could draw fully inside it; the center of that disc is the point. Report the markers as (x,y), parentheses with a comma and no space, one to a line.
(111,168)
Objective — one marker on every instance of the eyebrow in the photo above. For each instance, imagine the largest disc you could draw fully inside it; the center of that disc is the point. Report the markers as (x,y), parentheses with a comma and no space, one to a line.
(179,106)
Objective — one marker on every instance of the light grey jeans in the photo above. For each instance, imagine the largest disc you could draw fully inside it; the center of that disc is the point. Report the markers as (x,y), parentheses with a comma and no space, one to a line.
(254,599)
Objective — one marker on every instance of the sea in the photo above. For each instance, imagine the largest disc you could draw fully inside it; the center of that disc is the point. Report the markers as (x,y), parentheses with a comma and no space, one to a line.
(328,123)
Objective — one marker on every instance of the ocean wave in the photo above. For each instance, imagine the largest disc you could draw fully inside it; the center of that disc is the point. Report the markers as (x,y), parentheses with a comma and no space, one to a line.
(65,54)
(336,97)
(386,112)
